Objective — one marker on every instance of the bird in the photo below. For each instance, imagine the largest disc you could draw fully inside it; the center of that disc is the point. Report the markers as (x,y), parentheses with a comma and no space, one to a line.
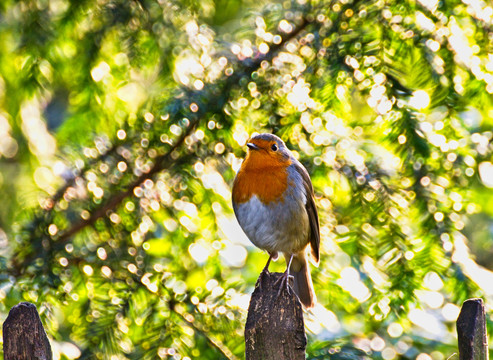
(273,201)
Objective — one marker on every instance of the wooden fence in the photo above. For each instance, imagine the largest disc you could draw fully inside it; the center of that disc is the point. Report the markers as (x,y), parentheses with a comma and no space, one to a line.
(274,329)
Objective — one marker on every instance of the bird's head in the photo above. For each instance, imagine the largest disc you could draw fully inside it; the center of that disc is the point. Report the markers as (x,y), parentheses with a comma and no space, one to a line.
(267,150)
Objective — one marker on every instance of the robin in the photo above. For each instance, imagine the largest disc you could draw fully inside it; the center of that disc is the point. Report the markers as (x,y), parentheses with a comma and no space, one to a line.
(273,202)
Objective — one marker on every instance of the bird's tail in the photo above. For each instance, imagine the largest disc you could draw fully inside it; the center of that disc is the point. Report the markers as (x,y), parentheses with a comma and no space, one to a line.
(303,286)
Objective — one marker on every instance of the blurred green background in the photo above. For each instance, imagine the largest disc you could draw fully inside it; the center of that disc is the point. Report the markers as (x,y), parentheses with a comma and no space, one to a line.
(122,124)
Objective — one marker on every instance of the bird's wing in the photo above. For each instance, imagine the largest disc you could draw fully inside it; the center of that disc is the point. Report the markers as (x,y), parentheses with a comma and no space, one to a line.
(311,210)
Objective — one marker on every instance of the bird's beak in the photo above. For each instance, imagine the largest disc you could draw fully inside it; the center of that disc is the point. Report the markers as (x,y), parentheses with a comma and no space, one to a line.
(252,146)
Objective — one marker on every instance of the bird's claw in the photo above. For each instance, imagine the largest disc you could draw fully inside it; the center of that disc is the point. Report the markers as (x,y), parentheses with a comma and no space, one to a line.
(265,271)
(284,282)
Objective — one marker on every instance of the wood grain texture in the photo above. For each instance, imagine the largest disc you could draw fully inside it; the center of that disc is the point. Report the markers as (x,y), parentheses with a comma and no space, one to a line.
(274,329)
(24,337)
(471,331)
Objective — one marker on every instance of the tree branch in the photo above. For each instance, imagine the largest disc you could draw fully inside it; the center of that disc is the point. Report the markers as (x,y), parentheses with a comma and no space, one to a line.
(163,161)
(217,344)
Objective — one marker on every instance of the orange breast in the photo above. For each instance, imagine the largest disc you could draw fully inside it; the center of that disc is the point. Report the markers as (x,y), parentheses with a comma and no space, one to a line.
(262,176)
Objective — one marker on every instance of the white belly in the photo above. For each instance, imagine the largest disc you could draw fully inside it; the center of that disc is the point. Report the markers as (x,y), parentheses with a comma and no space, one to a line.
(277,226)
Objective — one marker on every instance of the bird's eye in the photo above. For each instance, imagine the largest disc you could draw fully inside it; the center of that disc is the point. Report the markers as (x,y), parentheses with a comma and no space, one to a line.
(274,147)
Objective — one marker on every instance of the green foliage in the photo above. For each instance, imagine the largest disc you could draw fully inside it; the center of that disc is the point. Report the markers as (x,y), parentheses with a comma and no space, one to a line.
(122,124)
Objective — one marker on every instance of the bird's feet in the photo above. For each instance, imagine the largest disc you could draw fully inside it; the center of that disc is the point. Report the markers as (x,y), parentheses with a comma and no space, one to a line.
(285,279)
(265,272)
(284,282)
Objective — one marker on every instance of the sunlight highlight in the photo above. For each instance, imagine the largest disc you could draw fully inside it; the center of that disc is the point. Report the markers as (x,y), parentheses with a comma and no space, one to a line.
(419,100)
(481,276)
(350,281)
(234,254)
(320,319)
(427,322)
(41,142)
(486,173)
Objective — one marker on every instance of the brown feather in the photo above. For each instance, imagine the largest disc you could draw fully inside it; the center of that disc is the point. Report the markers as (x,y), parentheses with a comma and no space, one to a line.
(311,210)
(303,285)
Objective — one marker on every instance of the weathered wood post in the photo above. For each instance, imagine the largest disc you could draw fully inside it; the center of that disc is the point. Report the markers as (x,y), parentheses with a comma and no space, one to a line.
(274,328)
(24,337)
(471,331)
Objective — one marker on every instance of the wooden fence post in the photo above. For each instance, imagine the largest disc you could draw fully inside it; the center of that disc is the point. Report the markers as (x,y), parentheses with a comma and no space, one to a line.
(471,331)
(24,337)
(274,328)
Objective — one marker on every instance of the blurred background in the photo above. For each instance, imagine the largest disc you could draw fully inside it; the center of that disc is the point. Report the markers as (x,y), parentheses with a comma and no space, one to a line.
(122,124)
